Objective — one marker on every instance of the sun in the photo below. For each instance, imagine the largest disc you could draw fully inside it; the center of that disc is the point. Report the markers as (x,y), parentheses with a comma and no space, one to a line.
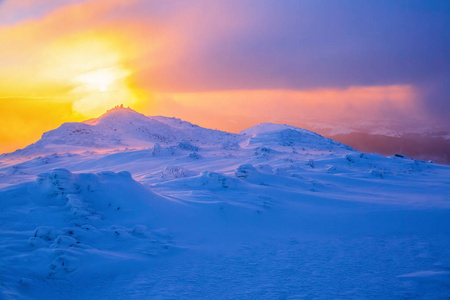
(100,79)
(100,89)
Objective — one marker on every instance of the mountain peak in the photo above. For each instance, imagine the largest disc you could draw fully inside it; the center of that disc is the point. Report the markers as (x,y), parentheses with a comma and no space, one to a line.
(117,114)
(122,127)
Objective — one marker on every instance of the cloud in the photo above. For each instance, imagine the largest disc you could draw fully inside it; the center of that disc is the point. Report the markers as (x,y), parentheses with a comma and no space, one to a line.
(302,45)
(237,110)
(14,11)
(215,50)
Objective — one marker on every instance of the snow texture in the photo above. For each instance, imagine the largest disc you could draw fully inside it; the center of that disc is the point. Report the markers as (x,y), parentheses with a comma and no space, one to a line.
(134,207)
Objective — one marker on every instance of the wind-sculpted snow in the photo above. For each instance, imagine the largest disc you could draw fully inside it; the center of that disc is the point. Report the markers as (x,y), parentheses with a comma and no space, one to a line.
(64,222)
(285,135)
(134,207)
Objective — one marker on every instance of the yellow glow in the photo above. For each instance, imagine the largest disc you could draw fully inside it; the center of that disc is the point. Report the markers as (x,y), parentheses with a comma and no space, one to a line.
(100,79)
(100,89)
(94,65)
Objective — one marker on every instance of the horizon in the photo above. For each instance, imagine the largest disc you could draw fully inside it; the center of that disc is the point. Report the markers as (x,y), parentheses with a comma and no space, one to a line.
(435,149)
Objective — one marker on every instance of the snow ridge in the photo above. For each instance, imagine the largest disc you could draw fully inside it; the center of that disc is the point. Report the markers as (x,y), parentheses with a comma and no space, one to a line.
(122,128)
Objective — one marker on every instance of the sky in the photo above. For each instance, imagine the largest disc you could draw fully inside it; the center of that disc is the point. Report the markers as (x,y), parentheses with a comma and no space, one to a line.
(222,64)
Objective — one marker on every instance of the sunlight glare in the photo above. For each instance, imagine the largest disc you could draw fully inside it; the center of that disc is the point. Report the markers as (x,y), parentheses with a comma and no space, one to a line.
(101,89)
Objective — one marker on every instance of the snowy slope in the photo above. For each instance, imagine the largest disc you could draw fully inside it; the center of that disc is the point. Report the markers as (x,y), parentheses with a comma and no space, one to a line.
(285,135)
(122,128)
(137,207)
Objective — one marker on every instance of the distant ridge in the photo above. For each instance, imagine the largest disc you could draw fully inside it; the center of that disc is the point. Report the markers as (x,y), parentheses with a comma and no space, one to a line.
(122,127)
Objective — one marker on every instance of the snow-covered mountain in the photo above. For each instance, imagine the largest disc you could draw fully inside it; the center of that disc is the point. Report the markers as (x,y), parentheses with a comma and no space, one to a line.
(137,207)
(121,128)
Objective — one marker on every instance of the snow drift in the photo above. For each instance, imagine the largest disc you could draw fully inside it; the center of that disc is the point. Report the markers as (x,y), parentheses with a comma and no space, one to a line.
(130,206)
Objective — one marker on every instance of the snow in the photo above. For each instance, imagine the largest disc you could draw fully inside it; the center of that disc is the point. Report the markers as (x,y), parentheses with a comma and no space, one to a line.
(137,207)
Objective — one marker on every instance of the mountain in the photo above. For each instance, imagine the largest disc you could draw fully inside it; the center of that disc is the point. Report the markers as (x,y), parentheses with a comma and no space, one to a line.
(124,128)
(285,135)
(127,206)
(121,128)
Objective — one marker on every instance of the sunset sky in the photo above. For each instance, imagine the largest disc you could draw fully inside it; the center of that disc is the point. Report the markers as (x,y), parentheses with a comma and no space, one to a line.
(221,64)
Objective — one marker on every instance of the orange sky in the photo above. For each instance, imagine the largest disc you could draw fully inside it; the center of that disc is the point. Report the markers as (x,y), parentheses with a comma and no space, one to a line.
(76,61)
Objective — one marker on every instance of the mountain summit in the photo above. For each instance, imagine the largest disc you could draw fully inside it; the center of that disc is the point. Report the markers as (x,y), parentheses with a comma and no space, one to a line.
(118,114)
(120,128)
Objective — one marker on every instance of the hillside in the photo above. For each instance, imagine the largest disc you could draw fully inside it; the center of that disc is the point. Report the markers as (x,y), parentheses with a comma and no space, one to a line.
(128,206)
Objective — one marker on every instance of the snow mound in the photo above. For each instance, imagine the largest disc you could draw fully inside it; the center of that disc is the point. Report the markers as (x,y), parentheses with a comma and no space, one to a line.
(244,171)
(289,136)
(271,127)
(66,221)
(174,172)
(205,180)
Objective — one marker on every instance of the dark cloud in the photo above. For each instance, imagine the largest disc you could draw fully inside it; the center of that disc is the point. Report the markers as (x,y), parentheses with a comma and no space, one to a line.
(326,44)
